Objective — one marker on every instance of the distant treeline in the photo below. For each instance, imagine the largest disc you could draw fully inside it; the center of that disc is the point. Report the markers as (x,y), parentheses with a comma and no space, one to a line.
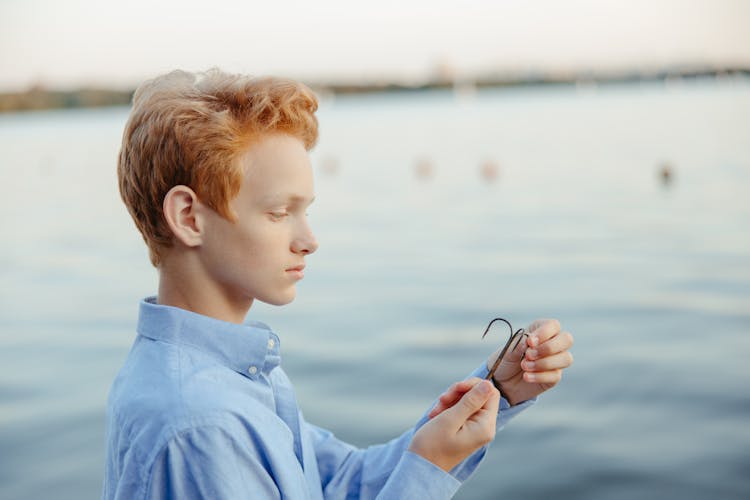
(538,79)
(38,98)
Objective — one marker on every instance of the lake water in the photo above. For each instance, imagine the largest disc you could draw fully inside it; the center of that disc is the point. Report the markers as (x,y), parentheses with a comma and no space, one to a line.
(653,281)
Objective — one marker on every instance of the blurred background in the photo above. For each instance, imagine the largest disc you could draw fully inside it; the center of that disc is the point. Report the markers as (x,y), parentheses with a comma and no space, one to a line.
(584,160)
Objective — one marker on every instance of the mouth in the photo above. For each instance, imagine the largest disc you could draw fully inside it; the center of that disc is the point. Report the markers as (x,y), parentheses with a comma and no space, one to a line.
(297,271)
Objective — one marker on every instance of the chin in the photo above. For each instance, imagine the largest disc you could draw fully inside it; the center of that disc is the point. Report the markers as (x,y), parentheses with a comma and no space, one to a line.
(279,300)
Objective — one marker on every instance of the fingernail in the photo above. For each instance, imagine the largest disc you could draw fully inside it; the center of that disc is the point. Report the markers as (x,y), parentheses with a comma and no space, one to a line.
(530,377)
(484,387)
(534,340)
(530,365)
(531,353)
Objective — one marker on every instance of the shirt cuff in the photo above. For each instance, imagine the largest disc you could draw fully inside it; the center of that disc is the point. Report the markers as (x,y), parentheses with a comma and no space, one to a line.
(417,477)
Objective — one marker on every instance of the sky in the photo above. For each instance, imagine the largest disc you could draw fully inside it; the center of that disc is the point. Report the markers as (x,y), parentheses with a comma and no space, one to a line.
(69,43)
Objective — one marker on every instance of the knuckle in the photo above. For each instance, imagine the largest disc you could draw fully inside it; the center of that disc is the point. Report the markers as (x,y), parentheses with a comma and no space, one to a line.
(472,400)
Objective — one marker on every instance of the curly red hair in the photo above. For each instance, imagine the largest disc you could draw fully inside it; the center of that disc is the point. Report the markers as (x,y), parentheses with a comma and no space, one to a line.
(189,129)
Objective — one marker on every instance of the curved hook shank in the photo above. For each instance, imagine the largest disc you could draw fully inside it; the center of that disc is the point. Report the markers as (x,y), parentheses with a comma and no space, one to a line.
(497,319)
(519,335)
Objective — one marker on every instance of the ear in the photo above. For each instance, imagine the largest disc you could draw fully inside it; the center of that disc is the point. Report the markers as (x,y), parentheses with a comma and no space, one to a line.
(182,210)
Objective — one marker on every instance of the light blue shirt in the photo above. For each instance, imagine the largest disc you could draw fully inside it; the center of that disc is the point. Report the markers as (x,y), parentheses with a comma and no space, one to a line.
(202,409)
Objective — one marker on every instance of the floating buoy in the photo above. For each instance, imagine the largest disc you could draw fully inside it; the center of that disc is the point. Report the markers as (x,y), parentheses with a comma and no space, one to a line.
(424,169)
(489,170)
(666,173)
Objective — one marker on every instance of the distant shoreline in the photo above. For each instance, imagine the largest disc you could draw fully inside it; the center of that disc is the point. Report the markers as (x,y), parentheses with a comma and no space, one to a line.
(40,98)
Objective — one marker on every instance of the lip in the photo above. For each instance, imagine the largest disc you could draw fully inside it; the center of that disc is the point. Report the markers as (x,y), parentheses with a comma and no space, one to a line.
(297,271)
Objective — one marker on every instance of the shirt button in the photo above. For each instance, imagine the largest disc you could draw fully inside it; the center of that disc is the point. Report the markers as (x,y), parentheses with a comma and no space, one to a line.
(271,343)
(252,370)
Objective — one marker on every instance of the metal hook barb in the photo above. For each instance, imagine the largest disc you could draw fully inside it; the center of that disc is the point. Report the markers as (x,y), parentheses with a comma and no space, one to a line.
(520,333)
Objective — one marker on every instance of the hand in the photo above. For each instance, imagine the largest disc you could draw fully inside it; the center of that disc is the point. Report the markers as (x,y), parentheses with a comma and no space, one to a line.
(536,365)
(460,428)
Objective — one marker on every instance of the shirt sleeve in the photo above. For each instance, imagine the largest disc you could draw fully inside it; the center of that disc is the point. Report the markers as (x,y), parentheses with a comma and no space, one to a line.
(389,471)
(207,462)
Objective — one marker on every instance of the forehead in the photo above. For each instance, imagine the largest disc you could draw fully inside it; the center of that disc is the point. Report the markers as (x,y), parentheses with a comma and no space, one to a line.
(277,168)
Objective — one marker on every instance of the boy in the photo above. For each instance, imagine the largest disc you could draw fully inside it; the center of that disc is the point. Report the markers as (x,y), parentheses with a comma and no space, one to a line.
(214,170)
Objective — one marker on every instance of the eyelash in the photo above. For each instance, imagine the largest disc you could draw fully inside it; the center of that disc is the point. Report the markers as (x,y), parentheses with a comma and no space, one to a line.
(278,215)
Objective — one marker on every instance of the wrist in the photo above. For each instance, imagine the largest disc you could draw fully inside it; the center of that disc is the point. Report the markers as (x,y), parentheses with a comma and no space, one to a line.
(442,462)
(512,401)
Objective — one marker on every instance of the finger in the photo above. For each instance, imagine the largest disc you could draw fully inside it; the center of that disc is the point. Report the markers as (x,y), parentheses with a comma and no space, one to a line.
(493,404)
(514,354)
(444,402)
(551,377)
(460,388)
(537,323)
(469,404)
(452,395)
(542,330)
(466,385)
(558,343)
(557,361)
(480,428)
(517,349)
(440,407)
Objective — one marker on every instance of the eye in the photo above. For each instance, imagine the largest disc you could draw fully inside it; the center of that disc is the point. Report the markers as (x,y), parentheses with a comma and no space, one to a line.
(278,215)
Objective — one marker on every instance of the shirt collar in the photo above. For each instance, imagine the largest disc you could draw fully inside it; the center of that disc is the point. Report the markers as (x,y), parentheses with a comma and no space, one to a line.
(249,349)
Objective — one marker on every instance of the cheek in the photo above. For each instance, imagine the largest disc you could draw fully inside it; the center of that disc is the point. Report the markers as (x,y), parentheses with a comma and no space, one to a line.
(233,247)
(252,236)
(267,245)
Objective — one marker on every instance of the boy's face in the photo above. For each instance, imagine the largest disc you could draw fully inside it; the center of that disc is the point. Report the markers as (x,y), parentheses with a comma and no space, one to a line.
(261,255)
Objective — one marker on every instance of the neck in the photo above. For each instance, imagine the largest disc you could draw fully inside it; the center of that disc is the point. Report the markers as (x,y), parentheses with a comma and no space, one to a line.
(183,283)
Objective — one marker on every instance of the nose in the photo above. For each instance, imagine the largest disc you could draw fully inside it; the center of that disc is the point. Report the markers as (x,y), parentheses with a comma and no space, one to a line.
(306,242)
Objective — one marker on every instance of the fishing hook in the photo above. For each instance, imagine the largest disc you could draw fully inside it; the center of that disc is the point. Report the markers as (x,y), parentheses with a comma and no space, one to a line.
(520,333)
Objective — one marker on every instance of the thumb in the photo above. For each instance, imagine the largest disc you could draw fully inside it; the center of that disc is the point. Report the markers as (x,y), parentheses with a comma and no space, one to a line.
(469,404)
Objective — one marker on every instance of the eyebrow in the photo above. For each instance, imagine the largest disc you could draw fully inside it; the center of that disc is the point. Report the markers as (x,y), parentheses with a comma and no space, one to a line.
(287,198)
